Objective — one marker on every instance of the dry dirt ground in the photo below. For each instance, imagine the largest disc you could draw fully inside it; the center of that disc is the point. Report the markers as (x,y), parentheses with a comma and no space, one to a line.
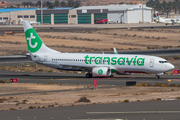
(96,40)
(45,99)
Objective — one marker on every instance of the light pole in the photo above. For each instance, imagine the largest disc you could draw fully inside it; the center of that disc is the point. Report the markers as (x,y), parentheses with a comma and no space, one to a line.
(142,13)
(41,13)
(162,10)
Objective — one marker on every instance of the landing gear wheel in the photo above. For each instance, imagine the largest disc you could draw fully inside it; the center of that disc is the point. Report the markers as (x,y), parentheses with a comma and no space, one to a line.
(88,75)
(157,77)
(111,76)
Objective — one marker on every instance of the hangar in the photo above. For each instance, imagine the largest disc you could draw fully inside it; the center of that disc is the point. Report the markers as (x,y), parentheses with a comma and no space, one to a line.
(118,13)
(82,15)
(50,16)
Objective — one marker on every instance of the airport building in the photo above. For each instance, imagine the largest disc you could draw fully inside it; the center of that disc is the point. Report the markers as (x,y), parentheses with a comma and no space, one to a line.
(81,15)
(50,16)
(117,13)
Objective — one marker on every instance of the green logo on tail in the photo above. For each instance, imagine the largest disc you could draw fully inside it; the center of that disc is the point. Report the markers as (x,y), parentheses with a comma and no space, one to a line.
(34,43)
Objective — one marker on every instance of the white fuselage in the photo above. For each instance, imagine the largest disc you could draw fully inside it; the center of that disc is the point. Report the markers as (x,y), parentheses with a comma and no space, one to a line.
(122,63)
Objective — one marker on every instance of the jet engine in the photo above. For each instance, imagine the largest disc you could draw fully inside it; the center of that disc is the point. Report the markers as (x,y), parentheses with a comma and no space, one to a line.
(101,71)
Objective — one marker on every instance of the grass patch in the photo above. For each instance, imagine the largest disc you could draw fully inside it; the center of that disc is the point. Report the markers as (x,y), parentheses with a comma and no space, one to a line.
(40,70)
(161,85)
(49,71)
(50,83)
(176,58)
(172,85)
(177,97)
(2,81)
(156,85)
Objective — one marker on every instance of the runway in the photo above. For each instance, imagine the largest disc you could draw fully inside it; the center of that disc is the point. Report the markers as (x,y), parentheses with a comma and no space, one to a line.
(94,26)
(151,110)
(72,78)
(81,27)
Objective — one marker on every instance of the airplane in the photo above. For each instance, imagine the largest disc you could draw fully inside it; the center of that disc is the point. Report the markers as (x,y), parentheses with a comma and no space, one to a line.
(31,22)
(34,22)
(94,64)
(166,20)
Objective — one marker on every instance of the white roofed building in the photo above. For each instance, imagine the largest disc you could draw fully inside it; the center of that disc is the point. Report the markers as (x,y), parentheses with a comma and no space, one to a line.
(117,13)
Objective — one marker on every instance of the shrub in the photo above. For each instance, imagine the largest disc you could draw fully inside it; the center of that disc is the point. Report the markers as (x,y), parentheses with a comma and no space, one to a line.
(176,57)
(143,84)
(172,85)
(158,98)
(139,85)
(83,99)
(12,109)
(40,70)
(49,71)
(164,57)
(2,81)
(161,85)
(31,107)
(149,84)
(126,101)
(177,97)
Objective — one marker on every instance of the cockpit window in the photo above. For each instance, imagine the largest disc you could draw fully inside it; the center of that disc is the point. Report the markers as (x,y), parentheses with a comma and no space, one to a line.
(163,61)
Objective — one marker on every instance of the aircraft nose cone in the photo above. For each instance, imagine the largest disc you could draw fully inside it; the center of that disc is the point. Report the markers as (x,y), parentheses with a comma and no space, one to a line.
(170,66)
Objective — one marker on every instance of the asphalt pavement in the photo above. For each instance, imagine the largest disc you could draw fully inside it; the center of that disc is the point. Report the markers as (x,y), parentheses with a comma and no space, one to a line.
(150,110)
(75,78)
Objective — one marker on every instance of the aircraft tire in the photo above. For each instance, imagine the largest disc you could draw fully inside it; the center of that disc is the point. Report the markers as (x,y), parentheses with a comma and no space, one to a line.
(88,75)
(157,76)
(111,76)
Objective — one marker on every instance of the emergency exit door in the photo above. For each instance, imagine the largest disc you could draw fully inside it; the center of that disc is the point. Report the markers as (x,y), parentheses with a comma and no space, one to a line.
(151,64)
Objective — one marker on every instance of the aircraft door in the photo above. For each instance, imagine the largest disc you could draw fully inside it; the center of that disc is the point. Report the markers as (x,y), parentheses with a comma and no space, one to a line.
(45,58)
(151,64)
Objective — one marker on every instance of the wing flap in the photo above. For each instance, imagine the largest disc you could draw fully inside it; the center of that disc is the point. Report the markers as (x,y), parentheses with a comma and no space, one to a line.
(68,66)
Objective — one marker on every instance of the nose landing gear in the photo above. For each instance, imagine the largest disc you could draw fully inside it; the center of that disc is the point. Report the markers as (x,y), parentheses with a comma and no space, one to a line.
(157,76)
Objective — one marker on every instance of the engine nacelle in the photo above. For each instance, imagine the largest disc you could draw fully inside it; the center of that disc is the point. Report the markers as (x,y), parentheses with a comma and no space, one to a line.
(101,71)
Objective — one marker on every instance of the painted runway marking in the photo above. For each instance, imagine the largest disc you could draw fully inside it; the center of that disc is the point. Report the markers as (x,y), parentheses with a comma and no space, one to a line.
(96,78)
(16,62)
(69,79)
(97,119)
(174,80)
(133,112)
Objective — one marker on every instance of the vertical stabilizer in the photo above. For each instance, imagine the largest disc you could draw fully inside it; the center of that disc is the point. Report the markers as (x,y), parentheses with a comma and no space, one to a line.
(34,42)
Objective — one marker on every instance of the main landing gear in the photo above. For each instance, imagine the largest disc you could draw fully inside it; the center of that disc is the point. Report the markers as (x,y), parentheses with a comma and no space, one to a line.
(88,75)
(157,76)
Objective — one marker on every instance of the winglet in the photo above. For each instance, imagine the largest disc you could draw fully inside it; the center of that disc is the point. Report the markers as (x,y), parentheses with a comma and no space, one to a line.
(115,51)
(21,19)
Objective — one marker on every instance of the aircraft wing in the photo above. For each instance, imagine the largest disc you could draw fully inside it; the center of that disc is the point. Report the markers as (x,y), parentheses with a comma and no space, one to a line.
(70,66)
